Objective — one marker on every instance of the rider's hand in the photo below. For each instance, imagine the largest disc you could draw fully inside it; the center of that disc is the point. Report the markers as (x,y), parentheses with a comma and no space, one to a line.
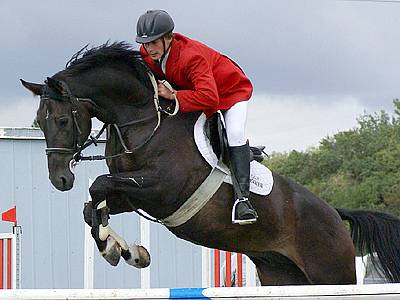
(164,92)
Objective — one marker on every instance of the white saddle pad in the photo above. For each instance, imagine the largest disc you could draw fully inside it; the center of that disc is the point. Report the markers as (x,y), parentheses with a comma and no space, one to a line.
(261,180)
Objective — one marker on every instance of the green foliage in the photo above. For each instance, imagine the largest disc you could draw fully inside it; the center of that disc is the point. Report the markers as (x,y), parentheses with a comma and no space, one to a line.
(358,168)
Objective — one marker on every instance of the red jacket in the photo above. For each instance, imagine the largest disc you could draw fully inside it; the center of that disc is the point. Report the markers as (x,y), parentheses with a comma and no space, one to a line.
(204,78)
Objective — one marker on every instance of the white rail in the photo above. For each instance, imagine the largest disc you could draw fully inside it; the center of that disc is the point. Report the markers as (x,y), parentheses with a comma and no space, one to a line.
(373,291)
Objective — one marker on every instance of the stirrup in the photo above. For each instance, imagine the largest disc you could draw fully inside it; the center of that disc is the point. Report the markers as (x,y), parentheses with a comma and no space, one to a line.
(251,211)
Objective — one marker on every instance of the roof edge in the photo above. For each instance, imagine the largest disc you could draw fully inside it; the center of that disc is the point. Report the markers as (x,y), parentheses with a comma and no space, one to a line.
(31,133)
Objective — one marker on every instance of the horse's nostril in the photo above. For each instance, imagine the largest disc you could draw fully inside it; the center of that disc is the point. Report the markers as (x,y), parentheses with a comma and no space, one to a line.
(63,180)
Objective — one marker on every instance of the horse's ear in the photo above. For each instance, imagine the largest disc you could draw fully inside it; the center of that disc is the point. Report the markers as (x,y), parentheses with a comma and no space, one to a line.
(35,88)
(54,84)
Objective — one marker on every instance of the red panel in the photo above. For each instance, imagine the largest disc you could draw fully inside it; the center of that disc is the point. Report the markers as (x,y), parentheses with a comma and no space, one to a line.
(217,263)
(9,263)
(1,263)
(240,269)
(228,273)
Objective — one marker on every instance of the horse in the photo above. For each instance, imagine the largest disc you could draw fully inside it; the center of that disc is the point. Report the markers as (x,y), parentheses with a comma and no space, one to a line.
(155,166)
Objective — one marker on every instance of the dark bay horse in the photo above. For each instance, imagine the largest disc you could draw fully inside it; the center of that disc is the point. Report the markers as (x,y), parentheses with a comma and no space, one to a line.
(298,238)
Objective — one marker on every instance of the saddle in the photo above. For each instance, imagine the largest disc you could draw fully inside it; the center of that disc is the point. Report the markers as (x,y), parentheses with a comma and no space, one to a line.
(216,132)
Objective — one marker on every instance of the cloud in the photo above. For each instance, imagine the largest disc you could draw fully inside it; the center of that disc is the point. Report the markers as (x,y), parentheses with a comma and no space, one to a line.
(20,112)
(311,47)
(287,122)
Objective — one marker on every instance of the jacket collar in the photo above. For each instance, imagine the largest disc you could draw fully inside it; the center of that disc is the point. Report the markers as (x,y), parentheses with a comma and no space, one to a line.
(174,49)
(173,56)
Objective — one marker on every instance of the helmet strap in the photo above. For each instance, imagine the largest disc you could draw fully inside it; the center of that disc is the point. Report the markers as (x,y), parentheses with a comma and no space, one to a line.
(165,51)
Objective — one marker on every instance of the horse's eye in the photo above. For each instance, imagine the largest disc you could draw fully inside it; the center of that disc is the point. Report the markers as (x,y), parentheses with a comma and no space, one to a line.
(62,122)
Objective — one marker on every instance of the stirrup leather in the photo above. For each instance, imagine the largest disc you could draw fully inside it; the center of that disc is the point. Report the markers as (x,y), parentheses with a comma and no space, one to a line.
(251,213)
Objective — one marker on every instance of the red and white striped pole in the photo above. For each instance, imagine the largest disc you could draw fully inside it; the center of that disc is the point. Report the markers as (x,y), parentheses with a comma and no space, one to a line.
(239,258)
(214,264)
(6,260)
(1,263)
(217,267)
(228,269)
(10,245)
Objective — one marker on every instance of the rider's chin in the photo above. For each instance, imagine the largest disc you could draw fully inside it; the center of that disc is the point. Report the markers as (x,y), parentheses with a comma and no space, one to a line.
(63,182)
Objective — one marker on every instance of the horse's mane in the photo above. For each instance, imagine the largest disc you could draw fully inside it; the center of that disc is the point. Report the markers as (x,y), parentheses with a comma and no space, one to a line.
(117,52)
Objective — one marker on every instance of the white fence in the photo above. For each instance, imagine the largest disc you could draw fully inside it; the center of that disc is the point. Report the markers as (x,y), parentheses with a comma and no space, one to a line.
(10,267)
(376,291)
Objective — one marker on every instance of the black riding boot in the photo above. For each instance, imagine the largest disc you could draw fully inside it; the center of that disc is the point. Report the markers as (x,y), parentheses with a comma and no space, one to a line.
(242,211)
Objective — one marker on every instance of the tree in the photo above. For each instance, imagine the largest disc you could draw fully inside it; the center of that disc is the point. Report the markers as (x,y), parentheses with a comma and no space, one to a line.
(357,168)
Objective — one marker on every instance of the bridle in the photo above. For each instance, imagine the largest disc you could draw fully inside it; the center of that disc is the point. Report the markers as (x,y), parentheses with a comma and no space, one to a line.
(74,101)
(76,148)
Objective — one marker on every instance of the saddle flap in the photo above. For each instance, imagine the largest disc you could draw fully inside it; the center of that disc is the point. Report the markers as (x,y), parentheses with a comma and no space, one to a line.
(261,179)
(215,131)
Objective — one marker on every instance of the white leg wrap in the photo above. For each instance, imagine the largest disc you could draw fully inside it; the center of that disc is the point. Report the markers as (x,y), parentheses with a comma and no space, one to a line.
(102,204)
(105,231)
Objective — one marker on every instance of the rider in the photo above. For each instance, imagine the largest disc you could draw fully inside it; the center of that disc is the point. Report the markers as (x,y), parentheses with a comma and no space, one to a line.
(206,80)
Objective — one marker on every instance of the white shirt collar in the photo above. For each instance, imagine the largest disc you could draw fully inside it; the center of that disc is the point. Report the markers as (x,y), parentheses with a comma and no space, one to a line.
(164,61)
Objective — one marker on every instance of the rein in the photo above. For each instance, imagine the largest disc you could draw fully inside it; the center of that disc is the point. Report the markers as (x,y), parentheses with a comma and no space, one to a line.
(77,149)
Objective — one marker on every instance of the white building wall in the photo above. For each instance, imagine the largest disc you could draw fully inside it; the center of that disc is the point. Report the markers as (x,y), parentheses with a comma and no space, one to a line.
(53,227)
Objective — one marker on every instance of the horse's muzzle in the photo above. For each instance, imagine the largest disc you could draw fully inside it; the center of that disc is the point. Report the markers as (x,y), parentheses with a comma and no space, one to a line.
(63,182)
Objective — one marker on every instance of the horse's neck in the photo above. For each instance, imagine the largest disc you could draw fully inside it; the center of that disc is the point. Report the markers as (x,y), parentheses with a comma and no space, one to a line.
(178,162)
(114,97)
(115,111)
(172,135)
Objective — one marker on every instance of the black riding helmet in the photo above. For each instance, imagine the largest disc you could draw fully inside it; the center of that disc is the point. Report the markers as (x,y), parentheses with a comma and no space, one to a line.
(153,25)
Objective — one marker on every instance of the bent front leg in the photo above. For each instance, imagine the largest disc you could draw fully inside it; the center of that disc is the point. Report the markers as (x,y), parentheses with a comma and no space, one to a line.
(110,244)
(112,186)
(111,250)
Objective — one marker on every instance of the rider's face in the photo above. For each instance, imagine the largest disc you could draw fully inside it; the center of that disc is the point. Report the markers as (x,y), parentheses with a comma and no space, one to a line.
(156,48)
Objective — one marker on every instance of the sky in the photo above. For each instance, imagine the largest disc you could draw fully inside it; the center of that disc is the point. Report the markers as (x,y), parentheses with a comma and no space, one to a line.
(316,65)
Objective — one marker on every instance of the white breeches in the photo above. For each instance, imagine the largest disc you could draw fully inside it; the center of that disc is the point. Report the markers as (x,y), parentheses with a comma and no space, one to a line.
(235,123)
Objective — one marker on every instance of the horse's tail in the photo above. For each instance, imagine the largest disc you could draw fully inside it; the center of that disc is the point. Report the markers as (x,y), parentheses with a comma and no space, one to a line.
(378,234)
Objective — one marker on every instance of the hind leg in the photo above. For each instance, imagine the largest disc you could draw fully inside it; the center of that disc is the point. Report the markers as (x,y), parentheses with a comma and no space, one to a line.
(276,269)
(327,255)
(335,265)
(323,247)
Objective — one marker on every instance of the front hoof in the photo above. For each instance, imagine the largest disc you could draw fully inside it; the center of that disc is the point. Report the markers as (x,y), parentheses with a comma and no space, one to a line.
(140,257)
(112,253)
